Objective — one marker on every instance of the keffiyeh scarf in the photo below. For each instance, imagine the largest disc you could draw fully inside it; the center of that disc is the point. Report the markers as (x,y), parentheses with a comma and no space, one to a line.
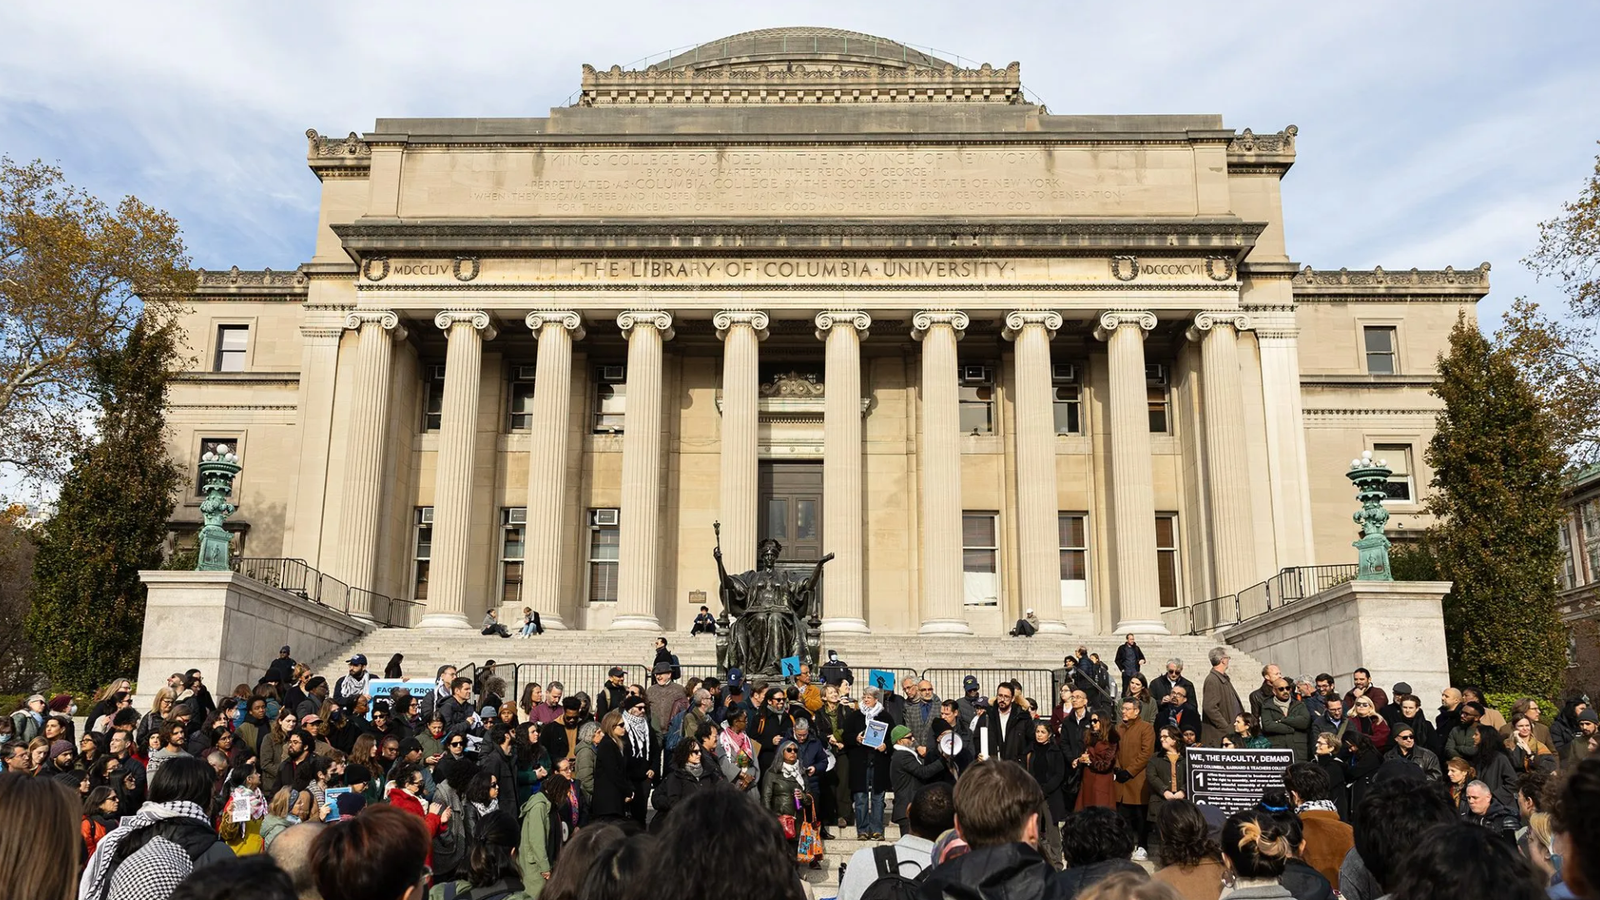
(1323,805)
(155,869)
(638,734)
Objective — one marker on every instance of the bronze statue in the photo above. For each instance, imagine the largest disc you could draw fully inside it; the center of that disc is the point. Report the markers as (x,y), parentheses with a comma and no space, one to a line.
(774,614)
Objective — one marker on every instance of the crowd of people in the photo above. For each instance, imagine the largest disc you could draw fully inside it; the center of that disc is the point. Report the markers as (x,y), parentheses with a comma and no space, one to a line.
(295,787)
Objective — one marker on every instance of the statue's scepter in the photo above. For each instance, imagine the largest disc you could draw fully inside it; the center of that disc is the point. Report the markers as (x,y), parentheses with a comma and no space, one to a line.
(722,587)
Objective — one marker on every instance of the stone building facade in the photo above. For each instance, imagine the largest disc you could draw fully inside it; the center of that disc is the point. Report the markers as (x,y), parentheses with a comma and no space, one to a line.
(818,286)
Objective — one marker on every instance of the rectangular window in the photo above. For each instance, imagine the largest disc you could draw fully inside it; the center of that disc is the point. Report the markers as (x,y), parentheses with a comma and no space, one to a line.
(610,399)
(1569,562)
(232,343)
(210,445)
(1068,398)
(423,553)
(980,558)
(432,398)
(513,538)
(604,541)
(1167,559)
(520,415)
(1160,399)
(1380,349)
(1590,512)
(1074,544)
(977,399)
(1400,488)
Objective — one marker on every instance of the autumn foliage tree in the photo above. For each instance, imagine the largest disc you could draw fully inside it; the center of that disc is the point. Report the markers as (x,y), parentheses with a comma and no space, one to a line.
(1497,495)
(1560,351)
(75,275)
(87,617)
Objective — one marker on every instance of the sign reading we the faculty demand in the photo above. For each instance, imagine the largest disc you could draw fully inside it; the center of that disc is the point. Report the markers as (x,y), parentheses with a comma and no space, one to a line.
(1232,780)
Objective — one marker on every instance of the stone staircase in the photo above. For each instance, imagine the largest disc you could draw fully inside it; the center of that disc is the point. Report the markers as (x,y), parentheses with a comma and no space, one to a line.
(579,658)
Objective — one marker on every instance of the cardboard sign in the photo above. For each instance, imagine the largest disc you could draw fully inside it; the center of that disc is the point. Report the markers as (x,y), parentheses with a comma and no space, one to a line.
(240,811)
(1233,780)
(790,666)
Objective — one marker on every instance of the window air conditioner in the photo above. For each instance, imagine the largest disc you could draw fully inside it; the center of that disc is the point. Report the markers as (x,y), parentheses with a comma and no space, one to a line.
(613,373)
(426,517)
(605,517)
(523,373)
(517,515)
(1156,373)
(974,374)
(1064,372)
(436,373)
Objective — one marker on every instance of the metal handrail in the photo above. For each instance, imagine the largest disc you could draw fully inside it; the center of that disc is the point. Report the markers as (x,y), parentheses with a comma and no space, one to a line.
(1291,584)
(297,577)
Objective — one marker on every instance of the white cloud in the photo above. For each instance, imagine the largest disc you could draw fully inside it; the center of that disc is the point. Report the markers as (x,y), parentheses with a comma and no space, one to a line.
(1430,134)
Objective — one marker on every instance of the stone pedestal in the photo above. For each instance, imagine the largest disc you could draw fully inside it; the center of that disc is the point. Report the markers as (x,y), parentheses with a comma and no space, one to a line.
(547,461)
(939,453)
(843,330)
(1395,628)
(640,545)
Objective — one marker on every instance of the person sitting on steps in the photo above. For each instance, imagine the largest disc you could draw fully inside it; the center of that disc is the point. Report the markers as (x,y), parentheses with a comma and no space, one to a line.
(704,623)
(491,624)
(1027,626)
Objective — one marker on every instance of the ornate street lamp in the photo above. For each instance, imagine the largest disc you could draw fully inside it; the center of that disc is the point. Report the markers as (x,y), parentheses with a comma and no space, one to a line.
(217,471)
(1370,477)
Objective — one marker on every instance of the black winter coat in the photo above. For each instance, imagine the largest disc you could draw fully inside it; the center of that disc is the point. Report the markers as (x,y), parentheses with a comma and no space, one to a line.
(863,758)
(678,784)
(611,783)
(1075,880)
(1003,872)
(908,773)
(1048,766)
(1018,734)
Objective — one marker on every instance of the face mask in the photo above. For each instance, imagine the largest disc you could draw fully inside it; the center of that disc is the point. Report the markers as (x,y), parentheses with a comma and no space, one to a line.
(1555,862)
(292,819)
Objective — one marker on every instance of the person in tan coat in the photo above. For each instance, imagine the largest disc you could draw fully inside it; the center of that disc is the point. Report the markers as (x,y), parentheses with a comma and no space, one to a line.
(1133,756)
(1327,839)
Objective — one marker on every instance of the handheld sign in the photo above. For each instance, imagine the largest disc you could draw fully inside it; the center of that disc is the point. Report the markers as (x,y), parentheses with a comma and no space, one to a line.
(1233,780)
(331,800)
(379,688)
(883,681)
(873,737)
(790,666)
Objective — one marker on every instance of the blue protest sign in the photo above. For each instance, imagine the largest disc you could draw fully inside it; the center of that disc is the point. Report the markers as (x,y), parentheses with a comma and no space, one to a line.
(883,681)
(791,666)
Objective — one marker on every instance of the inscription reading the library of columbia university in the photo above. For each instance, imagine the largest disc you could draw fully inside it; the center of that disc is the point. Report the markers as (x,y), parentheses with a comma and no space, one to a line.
(777,182)
(801,269)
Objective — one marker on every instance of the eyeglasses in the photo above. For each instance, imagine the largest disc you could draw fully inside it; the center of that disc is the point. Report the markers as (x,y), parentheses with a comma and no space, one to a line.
(458,743)
(788,750)
(1406,737)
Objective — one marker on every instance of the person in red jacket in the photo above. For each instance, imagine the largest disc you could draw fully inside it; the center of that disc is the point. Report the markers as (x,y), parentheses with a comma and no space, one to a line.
(405,785)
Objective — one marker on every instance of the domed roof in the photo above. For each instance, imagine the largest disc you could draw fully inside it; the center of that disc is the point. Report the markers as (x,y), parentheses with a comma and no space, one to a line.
(807,46)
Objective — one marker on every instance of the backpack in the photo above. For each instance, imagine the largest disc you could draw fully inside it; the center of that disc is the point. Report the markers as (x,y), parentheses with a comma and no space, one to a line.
(675,730)
(890,884)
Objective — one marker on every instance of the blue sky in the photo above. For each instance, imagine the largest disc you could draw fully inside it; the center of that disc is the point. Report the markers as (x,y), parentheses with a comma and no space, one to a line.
(1431,134)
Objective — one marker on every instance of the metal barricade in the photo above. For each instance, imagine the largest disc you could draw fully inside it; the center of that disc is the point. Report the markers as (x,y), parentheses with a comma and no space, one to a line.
(1037,684)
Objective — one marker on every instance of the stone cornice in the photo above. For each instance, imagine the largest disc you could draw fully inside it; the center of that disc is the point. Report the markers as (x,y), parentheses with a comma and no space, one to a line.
(1420,284)
(338,157)
(502,237)
(255,284)
(1265,154)
(252,378)
(797,83)
(1017,320)
(565,318)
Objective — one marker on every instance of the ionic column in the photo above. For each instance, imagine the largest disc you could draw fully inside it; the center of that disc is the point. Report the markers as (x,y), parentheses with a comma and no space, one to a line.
(1232,540)
(1133,504)
(843,330)
(940,455)
(556,329)
(466,330)
(376,332)
(638,565)
(1037,526)
(741,333)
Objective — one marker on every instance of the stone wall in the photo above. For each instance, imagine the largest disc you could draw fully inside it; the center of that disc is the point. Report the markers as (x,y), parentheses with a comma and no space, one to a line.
(1393,628)
(229,627)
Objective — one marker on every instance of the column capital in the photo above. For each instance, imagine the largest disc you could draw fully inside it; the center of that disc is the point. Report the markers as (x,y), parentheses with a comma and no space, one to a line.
(565,318)
(477,318)
(1206,321)
(726,319)
(924,321)
(387,319)
(660,320)
(829,319)
(1017,320)
(1111,320)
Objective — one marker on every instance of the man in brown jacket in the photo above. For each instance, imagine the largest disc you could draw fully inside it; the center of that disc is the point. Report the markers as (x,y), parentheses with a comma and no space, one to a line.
(1138,743)
(1327,838)
(1220,704)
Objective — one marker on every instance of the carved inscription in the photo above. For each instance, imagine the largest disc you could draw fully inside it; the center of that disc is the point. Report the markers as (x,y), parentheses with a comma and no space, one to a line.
(796,269)
(802,182)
